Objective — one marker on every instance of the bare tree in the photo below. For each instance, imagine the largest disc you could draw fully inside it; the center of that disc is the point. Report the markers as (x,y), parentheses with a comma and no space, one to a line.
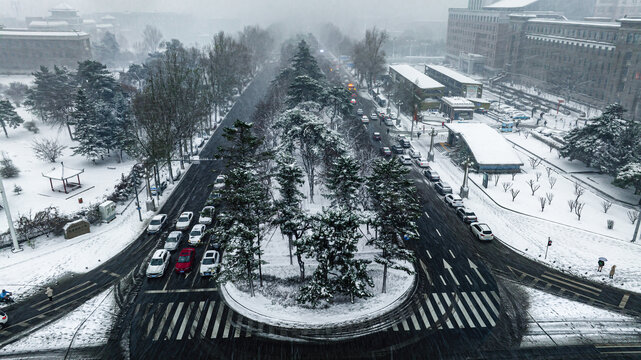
(548,169)
(533,185)
(578,209)
(571,204)
(47,149)
(578,190)
(552,181)
(606,205)
(506,186)
(369,57)
(515,193)
(513,176)
(496,179)
(633,216)
(538,175)
(151,38)
(526,134)
(534,162)
(549,196)
(542,201)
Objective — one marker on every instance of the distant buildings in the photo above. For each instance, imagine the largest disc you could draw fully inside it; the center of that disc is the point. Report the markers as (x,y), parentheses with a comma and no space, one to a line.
(456,83)
(616,9)
(424,87)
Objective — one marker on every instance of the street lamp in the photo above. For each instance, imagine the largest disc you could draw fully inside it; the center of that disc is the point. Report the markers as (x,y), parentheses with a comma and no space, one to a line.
(464,192)
(430,154)
(12,230)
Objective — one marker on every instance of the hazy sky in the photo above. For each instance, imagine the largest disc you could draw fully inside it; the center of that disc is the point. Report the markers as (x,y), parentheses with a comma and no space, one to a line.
(262,11)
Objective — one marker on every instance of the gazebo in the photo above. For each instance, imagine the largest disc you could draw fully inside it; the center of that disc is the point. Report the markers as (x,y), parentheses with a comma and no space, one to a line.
(64,174)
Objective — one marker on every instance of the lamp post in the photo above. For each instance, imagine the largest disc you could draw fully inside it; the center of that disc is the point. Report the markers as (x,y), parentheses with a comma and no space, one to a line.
(430,154)
(636,230)
(12,230)
(464,192)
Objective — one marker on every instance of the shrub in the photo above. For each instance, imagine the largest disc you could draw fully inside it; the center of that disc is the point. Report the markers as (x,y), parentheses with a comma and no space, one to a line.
(31,126)
(7,168)
(47,149)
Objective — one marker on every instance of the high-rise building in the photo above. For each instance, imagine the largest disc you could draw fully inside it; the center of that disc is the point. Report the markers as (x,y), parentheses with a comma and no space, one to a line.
(616,9)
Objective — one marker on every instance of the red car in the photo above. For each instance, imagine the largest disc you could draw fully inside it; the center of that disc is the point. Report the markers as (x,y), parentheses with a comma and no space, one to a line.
(185,260)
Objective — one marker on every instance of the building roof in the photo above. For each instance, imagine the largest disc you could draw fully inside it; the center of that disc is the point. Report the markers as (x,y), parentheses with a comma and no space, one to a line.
(510,4)
(487,146)
(108,17)
(63,7)
(576,22)
(63,172)
(46,23)
(453,74)
(411,74)
(457,102)
(19,33)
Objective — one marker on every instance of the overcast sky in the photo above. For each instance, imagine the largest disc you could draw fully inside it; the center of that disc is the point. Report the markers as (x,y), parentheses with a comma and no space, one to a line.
(251,11)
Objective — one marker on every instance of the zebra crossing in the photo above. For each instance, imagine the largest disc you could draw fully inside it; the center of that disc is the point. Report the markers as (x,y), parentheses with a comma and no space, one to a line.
(464,310)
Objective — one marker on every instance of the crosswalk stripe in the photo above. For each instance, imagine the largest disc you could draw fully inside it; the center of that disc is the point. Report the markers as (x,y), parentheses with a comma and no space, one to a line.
(237,329)
(150,323)
(498,298)
(442,310)
(199,311)
(457,319)
(431,309)
(162,321)
(137,309)
(406,327)
(203,331)
(470,304)
(227,324)
(174,320)
(181,329)
(394,327)
(460,306)
(415,322)
(219,314)
(250,324)
(490,303)
(480,303)
(423,316)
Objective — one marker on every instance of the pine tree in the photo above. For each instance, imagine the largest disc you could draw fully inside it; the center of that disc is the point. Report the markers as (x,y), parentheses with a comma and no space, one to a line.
(304,88)
(343,182)
(304,63)
(630,174)
(89,133)
(8,116)
(393,199)
(96,81)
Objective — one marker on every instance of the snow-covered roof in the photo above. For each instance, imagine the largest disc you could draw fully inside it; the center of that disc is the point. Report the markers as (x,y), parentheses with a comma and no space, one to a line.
(63,172)
(457,102)
(411,74)
(453,74)
(50,34)
(63,7)
(510,4)
(108,17)
(104,26)
(576,22)
(45,23)
(486,144)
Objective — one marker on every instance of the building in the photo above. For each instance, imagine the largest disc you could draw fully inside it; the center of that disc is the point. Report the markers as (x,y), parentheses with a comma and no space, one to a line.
(62,18)
(426,88)
(457,108)
(616,9)
(456,83)
(24,51)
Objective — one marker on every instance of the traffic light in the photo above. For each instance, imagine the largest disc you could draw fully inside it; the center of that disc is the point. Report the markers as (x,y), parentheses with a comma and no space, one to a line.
(549,242)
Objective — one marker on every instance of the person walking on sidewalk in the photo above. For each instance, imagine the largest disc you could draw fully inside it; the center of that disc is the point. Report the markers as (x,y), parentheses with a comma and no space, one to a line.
(612,270)
(49,293)
(601,264)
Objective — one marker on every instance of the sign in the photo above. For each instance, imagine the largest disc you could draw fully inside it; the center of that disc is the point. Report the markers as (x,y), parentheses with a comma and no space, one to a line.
(76,228)
(485,180)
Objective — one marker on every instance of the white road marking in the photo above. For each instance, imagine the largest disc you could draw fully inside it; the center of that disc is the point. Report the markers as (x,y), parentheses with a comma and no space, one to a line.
(183,326)
(442,310)
(227,324)
(162,321)
(480,303)
(180,290)
(415,322)
(174,321)
(451,253)
(59,300)
(428,253)
(624,301)
(210,309)
(490,303)
(468,279)
(454,312)
(470,304)
(448,267)
(438,232)
(464,312)
(167,282)
(442,280)
(431,309)
(110,273)
(63,292)
(219,314)
(424,317)
(476,270)
(426,214)
(429,278)
(199,311)
(406,326)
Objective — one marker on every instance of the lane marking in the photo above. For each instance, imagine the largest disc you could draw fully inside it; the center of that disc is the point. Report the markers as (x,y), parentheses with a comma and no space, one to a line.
(174,321)
(442,310)
(431,309)
(150,324)
(457,319)
(498,298)
(442,280)
(476,270)
(227,324)
(162,321)
(394,327)
(415,322)
(180,290)
(429,278)
(110,273)
(428,253)
(438,232)
(547,274)
(60,300)
(203,331)
(490,303)
(571,285)
(451,253)
(424,317)
(167,282)
(199,311)
(468,279)
(624,301)
(63,292)
(470,304)
(405,325)
(426,214)
(448,267)
(460,306)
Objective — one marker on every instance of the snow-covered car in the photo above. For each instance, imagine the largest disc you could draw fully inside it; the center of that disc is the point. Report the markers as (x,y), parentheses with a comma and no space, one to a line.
(442,188)
(365,119)
(209,263)
(432,175)
(219,183)
(198,141)
(415,154)
(466,215)
(376,135)
(176,173)
(398,150)
(157,223)
(385,151)
(454,200)
(393,116)
(389,122)
(352,101)
(482,231)
(173,240)
(405,159)
(206,215)
(184,220)
(359,112)
(196,234)
(158,263)
(422,163)
(4,319)
(374,116)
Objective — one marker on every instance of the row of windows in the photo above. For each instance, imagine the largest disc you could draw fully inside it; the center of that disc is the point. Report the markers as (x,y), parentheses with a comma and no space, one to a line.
(478,18)
(573,32)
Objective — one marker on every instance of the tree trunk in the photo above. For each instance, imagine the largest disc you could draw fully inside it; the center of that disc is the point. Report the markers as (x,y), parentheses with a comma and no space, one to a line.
(181,154)
(171,172)
(301,265)
(384,287)
(291,259)
(260,266)
(69,129)
(310,179)
(250,280)
(4,128)
(148,184)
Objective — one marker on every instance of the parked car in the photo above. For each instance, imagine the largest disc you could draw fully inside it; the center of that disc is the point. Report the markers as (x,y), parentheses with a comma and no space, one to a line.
(197,234)
(393,116)
(184,220)
(415,154)
(397,149)
(206,215)
(389,122)
(481,231)
(4,319)
(185,260)
(385,151)
(209,263)
(406,143)
(442,188)
(376,136)
(454,200)
(154,190)
(177,173)
(157,223)
(173,240)
(359,112)
(405,159)
(422,163)
(365,119)
(466,215)
(219,183)
(158,263)
(374,116)
(432,175)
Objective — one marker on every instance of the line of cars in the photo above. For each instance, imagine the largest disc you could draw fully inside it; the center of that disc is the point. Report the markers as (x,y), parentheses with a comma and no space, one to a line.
(480,230)
(374,116)
(404,150)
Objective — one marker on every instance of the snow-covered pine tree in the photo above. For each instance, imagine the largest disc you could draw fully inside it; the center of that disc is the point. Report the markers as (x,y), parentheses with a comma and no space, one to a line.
(630,175)
(343,182)
(396,209)
(8,116)
(304,63)
(96,81)
(304,88)
(89,131)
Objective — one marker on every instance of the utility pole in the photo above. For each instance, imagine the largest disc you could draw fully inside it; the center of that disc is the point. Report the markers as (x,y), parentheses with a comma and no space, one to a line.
(7,211)
(136,192)
(430,154)
(636,230)
(414,119)
(464,192)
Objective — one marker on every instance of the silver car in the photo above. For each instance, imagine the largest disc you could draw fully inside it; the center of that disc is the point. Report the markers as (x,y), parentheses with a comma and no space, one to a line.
(173,240)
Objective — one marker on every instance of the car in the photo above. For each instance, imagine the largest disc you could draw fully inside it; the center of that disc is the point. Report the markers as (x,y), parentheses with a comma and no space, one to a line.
(385,151)
(482,231)
(389,122)
(209,263)
(393,116)
(405,159)
(176,174)
(415,154)
(185,260)
(206,215)
(376,135)
(442,188)
(219,183)
(365,119)
(466,215)
(173,240)
(382,115)
(374,116)
(157,223)
(198,141)
(352,101)
(184,220)
(454,200)
(405,143)
(400,138)
(4,319)
(397,149)
(359,112)
(422,163)
(154,189)
(432,175)
(196,234)
(158,263)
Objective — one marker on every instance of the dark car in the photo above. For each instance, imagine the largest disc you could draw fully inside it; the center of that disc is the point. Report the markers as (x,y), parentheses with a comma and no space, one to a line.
(466,215)
(443,188)
(405,143)
(185,260)
(432,175)
(376,136)
(397,149)
(385,151)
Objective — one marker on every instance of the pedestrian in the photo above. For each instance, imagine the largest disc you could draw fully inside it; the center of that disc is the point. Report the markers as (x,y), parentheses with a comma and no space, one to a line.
(387,131)
(612,271)
(49,293)
(545,123)
(418,135)
(442,123)
(601,264)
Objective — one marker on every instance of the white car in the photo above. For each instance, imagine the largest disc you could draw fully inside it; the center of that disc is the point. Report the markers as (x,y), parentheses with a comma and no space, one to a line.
(405,159)
(184,220)
(359,112)
(206,215)
(196,235)
(422,163)
(157,223)
(482,231)
(365,119)
(173,240)
(454,200)
(415,154)
(4,318)
(158,263)
(209,263)
(219,183)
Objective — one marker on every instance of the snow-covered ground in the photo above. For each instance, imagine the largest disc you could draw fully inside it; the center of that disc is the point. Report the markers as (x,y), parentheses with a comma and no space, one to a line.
(87,326)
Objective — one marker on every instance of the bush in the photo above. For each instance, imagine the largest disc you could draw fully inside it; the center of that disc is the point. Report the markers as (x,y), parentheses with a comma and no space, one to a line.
(91,213)
(45,222)
(7,168)
(17,189)
(124,190)
(47,149)
(610,224)
(31,126)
